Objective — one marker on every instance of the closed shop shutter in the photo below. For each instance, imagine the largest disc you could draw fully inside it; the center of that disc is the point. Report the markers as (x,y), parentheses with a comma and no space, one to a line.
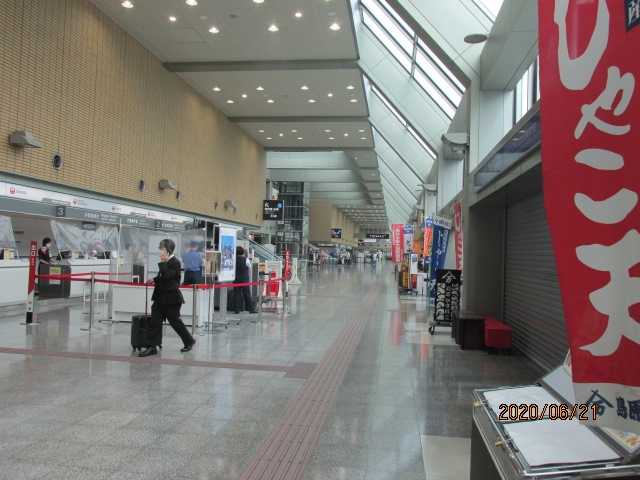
(533,306)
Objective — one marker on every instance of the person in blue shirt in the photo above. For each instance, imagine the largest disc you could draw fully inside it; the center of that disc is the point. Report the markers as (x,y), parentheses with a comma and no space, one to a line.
(192,261)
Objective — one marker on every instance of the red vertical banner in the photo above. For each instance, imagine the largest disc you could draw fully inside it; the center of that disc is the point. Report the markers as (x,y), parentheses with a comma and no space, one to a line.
(457,233)
(397,240)
(428,238)
(590,117)
(31,286)
(287,266)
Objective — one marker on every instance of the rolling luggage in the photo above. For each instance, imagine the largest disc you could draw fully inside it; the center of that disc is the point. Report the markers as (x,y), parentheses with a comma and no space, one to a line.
(139,325)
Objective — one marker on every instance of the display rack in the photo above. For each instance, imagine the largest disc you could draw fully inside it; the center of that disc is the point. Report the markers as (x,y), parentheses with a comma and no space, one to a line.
(513,439)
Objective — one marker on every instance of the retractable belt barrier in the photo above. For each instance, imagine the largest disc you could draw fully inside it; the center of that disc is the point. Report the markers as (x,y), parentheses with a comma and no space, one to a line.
(91,277)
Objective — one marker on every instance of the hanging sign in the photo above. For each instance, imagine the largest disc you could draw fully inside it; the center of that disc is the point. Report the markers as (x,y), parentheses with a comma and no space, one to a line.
(396,242)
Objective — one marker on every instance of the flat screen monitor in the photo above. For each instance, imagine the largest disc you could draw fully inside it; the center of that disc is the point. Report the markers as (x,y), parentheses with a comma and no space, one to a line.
(336,233)
(272,209)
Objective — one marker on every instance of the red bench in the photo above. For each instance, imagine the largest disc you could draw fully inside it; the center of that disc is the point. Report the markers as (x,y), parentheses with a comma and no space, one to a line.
(496,333)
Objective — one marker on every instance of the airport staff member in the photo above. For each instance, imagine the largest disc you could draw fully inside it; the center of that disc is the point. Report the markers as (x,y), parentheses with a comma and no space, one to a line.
(44,254)
(192,261)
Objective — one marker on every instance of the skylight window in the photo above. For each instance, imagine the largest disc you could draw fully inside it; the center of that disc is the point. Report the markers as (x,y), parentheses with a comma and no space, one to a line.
(404,123)
(413,55)
(489,7)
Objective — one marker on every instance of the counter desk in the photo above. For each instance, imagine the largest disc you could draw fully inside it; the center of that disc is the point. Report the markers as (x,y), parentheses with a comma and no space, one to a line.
(128,300)
(14,278)
(77,265)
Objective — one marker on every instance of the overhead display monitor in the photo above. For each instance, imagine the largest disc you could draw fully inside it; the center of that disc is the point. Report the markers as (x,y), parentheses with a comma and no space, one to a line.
(336,233)
(272,209)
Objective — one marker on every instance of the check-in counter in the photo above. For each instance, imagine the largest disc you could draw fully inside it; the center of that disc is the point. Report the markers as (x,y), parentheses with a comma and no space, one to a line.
(14,277)
(77,266)
(128,300)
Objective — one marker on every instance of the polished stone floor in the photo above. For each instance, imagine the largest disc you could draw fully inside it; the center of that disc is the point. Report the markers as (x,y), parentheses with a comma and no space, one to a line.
(347,384)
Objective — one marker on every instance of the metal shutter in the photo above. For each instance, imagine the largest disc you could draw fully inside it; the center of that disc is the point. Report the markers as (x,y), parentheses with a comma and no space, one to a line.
(533,307)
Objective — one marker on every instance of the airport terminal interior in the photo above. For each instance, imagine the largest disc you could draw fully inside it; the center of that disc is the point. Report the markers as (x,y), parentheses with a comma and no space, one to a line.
(351,359)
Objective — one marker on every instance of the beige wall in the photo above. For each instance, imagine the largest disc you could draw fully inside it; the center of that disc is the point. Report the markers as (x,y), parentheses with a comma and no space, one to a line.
(323,216)
(89,92)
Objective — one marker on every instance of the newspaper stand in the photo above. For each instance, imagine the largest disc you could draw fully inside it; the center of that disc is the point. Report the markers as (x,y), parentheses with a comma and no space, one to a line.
(511,439)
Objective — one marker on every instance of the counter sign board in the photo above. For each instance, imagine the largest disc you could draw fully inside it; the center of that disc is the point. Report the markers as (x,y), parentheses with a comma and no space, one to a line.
(272,209)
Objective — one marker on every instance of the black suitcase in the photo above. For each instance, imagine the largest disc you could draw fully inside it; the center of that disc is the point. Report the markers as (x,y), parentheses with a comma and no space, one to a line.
(139,325)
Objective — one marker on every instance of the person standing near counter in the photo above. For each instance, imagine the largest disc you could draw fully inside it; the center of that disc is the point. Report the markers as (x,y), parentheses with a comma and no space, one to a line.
(192,260)
(44,254)
(167,301)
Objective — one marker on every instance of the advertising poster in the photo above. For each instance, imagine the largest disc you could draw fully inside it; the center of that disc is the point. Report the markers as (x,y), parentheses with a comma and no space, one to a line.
(228,254)
(590,118)
(396,242)
(441,231)
(407,244)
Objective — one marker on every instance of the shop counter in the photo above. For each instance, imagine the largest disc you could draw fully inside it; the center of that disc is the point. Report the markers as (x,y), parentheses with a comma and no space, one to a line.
(14,275)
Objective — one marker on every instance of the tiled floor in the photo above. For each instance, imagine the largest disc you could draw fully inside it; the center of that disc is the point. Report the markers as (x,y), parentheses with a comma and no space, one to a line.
(348,385)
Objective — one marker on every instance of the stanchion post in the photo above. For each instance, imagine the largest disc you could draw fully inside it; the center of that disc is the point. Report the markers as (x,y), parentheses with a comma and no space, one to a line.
(285,296)
(91,291)
(260,282)
(195,309)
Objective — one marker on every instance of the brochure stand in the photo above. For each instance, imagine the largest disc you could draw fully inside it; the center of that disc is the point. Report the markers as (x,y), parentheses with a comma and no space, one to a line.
(533,432)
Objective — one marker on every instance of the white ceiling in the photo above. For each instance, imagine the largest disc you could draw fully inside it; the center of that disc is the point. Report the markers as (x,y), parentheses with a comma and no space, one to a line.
(373,180)
(245,55)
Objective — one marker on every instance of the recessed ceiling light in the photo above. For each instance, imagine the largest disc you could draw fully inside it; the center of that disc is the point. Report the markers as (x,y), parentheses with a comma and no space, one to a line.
(270,101)
(331,138)
(363,138)
(311,100)
(346,134)
(260,131)
(354,100)
(191,2)
(281,134)
(304,87)
(299,138)
(268,138)
(329,94)
(294,131)
(127,4)
(216,89)
(350,87)
(244,95)
(172,19)
(334,26)
(361,131)
(258,1)
(229,101)
(327,131)
(214,30)
(298,14)
(259,88)
(273,28)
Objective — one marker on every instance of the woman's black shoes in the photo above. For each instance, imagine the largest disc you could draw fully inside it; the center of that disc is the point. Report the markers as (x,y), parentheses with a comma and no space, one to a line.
(148,351)
(187,348)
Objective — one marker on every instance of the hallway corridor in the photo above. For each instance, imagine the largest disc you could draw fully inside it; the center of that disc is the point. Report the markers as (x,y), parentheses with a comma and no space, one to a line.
(347,385)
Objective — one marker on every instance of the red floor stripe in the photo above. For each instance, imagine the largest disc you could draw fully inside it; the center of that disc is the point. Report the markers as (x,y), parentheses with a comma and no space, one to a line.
(286,452)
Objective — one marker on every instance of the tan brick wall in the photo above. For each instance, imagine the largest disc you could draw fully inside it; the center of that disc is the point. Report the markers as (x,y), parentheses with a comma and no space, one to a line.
(91,93)
(323,216)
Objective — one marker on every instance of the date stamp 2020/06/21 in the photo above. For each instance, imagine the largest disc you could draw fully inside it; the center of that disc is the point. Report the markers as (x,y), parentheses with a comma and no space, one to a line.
(530,411)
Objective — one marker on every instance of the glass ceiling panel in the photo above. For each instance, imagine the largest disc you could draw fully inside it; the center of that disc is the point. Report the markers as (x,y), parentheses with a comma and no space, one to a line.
(489,7)
(388,40)
(404,123)
(430,73)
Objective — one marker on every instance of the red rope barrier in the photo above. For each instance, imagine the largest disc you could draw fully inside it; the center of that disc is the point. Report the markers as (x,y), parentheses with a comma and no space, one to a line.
(201,286)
